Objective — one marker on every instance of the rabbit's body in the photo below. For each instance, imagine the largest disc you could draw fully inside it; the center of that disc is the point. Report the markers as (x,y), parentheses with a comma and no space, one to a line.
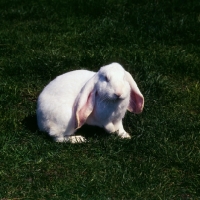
(107,114)
(82,96)
(55,103)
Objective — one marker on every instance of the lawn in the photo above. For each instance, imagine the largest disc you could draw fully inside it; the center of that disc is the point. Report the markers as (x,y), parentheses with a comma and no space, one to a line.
(158,42)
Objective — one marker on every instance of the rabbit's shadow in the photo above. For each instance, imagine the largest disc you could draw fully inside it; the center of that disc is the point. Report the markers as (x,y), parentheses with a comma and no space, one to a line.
(30,123)
(92,132)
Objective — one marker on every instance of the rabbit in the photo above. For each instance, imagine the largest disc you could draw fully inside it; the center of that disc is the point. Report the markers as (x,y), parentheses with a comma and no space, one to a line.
(86,97)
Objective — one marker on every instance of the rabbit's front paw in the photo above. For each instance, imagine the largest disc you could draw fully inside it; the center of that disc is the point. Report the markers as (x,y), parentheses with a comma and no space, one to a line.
(109,128)
(124,135)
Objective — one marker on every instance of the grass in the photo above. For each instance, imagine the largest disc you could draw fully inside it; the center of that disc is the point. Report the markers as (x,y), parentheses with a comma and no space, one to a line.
(158,43)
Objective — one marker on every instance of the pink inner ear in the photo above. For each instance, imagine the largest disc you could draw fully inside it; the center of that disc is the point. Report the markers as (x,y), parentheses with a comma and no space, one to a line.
(85,110)
(136,103)
(82,117)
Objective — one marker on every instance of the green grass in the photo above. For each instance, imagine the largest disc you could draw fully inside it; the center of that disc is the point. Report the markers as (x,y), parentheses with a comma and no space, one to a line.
(158,43)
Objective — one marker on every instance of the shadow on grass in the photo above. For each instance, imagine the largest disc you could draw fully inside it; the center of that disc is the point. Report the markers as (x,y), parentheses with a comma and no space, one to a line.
(30,124)
(93,132)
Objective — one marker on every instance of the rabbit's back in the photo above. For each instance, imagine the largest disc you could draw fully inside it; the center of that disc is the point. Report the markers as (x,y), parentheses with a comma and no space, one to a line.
(55,103)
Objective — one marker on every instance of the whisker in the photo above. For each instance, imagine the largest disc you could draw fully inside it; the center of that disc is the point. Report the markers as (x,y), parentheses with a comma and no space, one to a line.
(105,101)
(102,99)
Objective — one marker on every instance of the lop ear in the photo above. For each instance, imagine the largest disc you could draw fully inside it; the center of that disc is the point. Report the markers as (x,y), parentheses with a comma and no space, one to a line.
(85,102)
(136,103)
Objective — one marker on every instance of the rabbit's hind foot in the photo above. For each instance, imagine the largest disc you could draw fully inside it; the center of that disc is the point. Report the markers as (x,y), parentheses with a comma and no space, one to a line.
(71,139)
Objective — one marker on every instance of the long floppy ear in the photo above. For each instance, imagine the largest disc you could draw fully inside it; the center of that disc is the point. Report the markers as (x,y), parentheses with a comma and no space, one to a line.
(136,103)
(85,102)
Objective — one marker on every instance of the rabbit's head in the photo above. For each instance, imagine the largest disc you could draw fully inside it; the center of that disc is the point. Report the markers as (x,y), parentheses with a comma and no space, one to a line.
(110,83)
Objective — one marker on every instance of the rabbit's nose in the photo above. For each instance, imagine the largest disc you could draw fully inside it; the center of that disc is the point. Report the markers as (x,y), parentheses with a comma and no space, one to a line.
(118,94)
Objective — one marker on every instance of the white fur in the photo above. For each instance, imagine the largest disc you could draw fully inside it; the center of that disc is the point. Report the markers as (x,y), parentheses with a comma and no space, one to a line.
(82,96)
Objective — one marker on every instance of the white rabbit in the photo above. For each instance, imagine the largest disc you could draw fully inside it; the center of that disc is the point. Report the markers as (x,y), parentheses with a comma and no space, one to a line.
(85,97)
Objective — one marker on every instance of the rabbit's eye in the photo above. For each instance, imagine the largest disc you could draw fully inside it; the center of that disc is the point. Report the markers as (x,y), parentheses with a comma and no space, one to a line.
(106,79)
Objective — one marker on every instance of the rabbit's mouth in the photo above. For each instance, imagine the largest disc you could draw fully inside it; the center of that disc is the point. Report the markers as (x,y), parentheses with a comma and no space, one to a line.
(110,98)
